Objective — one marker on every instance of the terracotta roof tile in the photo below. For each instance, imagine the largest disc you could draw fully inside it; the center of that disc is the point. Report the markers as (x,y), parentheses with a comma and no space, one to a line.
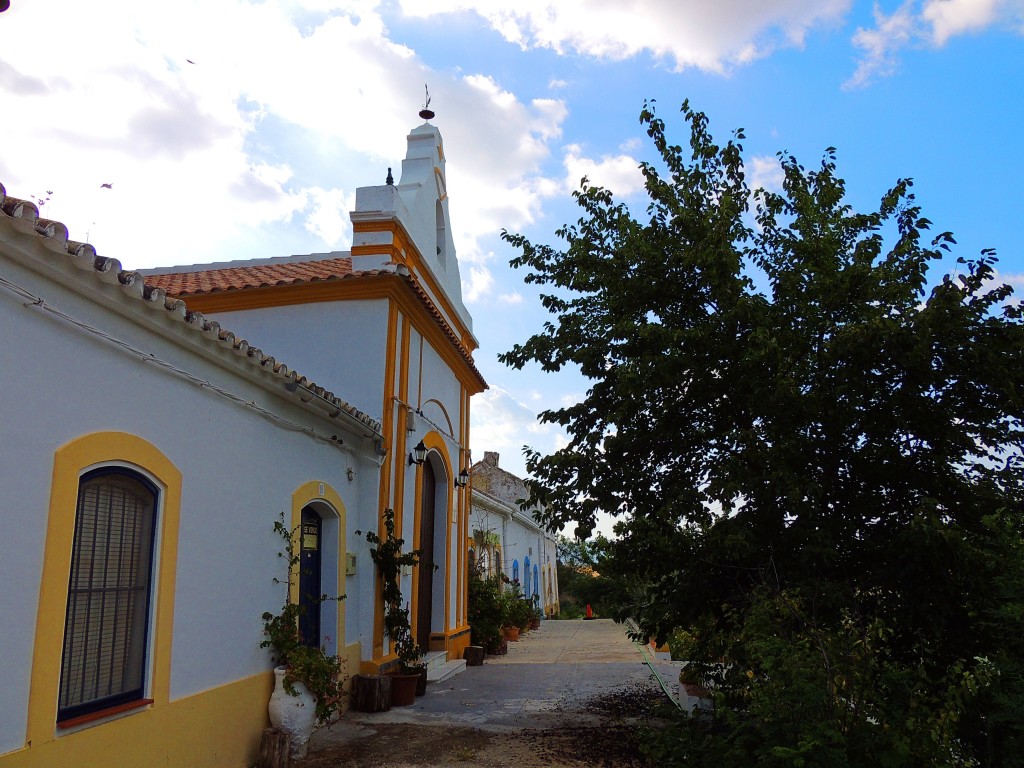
(255,276)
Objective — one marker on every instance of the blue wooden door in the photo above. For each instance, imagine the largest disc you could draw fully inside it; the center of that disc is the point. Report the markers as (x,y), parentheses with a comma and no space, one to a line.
(310,592)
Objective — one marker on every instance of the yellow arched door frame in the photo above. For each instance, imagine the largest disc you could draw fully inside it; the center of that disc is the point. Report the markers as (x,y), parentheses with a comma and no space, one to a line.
(435,444)
(310,493)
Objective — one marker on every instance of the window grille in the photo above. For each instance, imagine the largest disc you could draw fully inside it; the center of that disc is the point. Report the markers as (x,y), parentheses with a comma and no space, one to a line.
(104,657)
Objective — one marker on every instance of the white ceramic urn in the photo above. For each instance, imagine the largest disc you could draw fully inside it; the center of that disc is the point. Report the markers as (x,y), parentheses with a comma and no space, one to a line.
(293,715)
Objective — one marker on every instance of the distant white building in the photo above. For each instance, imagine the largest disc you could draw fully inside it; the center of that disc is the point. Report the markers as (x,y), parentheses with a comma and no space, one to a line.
(506,539)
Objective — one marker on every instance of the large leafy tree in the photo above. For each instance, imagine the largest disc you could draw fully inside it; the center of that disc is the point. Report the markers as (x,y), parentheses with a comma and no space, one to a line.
(813,450)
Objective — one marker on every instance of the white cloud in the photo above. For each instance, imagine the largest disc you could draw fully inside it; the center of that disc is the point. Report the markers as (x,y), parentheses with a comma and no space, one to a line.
(765,172)
(570,399)
(502,423)
(935,23)
(955,17)
(478,285)
(511,298)
(881,44)
(194,150)
(328,218)
(621,173)
(688,33)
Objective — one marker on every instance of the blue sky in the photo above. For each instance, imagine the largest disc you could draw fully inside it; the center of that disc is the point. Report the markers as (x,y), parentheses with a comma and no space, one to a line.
(232,130)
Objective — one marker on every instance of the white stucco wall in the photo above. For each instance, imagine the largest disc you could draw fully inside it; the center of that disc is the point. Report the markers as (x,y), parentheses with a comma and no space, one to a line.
(239,471)
(422,186)
(340,345)
(496,495)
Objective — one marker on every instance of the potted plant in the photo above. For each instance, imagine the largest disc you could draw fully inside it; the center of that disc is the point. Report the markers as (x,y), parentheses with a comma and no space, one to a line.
(508,627)
(518,609)
(308,687)
(485,610)
(535,612)
(387,553)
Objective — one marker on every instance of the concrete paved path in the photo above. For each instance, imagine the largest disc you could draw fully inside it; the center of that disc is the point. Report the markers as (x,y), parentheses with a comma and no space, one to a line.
(545,675)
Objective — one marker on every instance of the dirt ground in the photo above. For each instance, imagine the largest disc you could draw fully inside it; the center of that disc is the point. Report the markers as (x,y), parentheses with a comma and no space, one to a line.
(604,731)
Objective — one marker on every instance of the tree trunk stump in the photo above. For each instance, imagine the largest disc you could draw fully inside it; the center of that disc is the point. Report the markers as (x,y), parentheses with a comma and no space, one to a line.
(371,693)
(474,655)
(274,748)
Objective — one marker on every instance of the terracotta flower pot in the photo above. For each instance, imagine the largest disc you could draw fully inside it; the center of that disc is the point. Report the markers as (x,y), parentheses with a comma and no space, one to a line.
(512,633)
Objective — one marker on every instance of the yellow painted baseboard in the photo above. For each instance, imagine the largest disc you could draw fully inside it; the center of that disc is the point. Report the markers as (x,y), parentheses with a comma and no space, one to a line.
(219,728)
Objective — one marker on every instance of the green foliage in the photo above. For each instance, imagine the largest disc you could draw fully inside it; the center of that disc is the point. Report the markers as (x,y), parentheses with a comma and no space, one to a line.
(535,612)
(589,574)
(485,609)
(796,693)
(580,554)
(387,554)
(814,452)
(322,674)
(516,608)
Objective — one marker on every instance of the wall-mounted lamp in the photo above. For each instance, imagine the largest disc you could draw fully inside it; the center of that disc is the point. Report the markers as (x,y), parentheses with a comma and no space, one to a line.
(419,453)
(463,479)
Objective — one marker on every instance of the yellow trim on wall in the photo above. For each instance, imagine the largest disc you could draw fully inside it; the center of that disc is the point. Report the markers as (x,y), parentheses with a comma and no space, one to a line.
(434,443)
(218,728)
(70,462)
(309,493)
(401,465)
(384,497)
(402,250)
(383,286)
(463,502)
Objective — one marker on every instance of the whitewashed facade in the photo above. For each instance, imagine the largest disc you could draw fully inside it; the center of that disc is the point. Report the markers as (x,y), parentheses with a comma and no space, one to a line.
(506,539)
(157,382)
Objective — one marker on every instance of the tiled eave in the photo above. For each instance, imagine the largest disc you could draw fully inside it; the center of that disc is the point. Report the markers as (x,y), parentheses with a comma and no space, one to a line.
(23,217)
(207,281)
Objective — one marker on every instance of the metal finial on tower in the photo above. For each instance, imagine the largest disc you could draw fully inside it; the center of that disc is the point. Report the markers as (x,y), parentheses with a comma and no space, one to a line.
(426,113)
(390,180)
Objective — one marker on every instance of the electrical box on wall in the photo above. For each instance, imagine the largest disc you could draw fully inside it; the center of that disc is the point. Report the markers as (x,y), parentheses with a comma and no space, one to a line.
(350,564)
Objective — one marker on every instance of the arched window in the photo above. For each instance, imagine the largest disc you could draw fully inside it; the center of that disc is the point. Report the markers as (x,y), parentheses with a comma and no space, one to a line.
(103,663)
(526,575)
(515,570)
(536,581)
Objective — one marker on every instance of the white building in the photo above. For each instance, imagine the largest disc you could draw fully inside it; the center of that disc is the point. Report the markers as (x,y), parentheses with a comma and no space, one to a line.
(505,537)
(149,451)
